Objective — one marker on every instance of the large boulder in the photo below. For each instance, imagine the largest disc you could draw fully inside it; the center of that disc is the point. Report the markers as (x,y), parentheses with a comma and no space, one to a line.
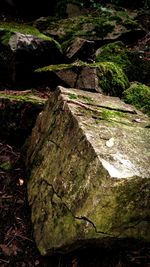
(80,49)
(22,49)
(88,169)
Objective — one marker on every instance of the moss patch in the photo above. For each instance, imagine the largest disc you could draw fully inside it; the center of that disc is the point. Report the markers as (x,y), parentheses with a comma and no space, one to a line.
(138,95)
(115,52)
(112,79)
(29,98)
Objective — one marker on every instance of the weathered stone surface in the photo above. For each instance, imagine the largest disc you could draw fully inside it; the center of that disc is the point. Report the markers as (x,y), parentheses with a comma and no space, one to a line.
(88,164)
(18,114)
(23,50)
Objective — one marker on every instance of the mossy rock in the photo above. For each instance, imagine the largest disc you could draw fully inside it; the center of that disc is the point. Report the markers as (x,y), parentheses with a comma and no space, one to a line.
(24,48)
(138,95)
(115,52)
(12,27)
(134,63)
(112,79)
(105,77)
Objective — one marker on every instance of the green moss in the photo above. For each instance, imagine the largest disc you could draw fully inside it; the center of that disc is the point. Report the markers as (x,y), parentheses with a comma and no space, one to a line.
(58,67)
(112,79)
(54,67)
(12,27)
(87,99)
(110,114)
(73,96)
(25,98)
(6,166)
(138,95)
(114,52)
(5,38)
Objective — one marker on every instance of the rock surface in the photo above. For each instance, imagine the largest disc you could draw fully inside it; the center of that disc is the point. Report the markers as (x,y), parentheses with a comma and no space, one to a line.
(88,166)
(80,49)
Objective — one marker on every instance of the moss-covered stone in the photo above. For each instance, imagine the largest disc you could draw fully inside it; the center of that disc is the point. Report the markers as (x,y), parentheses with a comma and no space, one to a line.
(115,52)
(134,63)
(112,79)
(24,48)
(106,77)
(12,27)
(138,95)
(91,181)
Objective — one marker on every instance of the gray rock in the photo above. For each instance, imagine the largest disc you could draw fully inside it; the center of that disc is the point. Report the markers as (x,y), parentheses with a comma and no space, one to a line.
(88,168)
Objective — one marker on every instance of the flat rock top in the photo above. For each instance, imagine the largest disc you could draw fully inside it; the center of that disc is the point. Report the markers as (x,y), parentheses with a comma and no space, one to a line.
(118,132)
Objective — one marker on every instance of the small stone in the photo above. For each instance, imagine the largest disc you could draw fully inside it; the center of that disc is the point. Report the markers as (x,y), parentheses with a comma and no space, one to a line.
(110,142)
